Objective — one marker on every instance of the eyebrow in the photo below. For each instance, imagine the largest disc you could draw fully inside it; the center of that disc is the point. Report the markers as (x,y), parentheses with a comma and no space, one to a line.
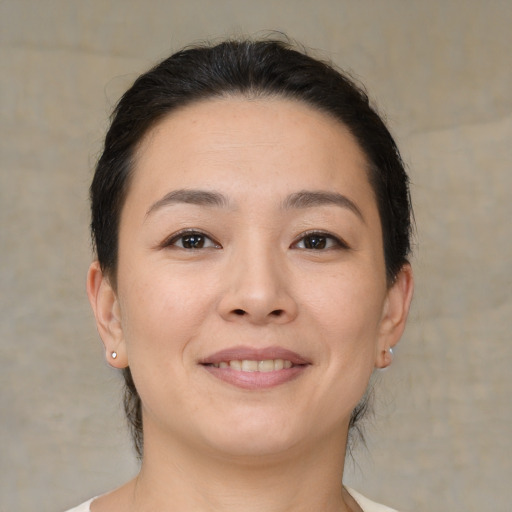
(310,199)
(297,200)
(190,196)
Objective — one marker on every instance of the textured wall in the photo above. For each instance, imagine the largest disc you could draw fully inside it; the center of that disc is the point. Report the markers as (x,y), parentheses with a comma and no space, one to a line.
(441,71)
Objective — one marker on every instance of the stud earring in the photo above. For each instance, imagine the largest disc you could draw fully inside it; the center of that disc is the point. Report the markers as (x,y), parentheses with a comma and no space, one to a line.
(385,354)
(114,355)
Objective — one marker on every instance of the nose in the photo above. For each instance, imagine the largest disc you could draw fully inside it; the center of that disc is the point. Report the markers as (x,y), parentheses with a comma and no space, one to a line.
(258,289)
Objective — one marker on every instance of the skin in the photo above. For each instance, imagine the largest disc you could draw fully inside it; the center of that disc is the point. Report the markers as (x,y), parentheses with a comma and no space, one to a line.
(211,445)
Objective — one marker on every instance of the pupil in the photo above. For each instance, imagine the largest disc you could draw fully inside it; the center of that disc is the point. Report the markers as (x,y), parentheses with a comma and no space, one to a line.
(193,241)
(315,242)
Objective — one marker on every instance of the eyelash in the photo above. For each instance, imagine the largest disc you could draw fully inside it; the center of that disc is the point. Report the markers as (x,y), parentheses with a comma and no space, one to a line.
(330,241)
(181,235)
(335,242)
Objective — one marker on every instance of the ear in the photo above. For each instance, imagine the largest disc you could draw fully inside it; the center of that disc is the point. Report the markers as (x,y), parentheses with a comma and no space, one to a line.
(394,317)
(105,305)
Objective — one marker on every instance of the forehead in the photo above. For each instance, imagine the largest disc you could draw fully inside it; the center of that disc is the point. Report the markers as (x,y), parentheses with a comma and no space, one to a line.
(264,138)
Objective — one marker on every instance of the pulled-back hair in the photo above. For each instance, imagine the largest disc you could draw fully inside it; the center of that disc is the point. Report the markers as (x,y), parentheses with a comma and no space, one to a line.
(262,68)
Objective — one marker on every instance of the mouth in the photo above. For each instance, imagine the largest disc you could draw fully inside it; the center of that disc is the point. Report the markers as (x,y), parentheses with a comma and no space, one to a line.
(251,365)
(255,368)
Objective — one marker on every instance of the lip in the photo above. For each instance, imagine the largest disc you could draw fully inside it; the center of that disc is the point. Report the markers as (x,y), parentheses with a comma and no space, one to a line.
(255,380)
(257,354)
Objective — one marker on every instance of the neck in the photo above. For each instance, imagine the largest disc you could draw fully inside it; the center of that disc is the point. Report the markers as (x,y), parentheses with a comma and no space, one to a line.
(178,477)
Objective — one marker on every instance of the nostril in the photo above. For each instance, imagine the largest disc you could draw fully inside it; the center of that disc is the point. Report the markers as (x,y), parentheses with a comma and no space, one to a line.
(276,313)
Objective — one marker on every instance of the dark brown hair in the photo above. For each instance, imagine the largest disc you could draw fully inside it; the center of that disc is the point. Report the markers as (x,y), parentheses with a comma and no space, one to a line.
(252,69)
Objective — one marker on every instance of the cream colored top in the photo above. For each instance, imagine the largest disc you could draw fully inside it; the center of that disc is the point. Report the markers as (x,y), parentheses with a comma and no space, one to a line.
(366,504)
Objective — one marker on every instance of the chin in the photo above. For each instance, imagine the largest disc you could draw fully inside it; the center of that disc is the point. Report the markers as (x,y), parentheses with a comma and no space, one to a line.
(253,439)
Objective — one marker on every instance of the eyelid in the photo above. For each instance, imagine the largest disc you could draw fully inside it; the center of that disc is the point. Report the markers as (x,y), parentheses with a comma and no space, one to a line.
(174,237)
(339,242)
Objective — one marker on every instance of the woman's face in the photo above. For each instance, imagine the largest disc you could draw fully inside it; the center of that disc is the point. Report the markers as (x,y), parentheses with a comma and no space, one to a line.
(251,301)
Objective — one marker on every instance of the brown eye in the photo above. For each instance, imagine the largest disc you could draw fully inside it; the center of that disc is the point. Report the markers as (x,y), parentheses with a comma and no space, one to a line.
(319,241)
(191,240)
(315,242)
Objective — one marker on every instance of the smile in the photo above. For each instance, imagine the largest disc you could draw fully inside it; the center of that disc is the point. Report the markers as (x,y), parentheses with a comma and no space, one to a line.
(251,365)
(255,369)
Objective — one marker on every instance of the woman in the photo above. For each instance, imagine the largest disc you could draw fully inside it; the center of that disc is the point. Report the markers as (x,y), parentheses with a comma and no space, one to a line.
(251,217)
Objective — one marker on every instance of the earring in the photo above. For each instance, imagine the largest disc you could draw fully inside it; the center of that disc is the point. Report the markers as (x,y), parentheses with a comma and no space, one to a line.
(386,356)
(114,355)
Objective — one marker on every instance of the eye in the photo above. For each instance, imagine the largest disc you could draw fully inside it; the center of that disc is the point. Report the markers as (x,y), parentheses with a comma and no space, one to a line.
(190,239)
(318,241)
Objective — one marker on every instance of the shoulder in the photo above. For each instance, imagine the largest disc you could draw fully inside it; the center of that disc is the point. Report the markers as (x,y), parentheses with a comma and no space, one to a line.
(368,505)
(84,507)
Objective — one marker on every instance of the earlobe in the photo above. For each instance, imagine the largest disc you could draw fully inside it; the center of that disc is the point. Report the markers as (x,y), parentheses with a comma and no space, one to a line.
(105,305)
(395,313)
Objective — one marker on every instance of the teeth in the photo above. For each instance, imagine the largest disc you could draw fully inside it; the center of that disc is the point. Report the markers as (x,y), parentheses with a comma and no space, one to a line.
(266,366)
(249,365)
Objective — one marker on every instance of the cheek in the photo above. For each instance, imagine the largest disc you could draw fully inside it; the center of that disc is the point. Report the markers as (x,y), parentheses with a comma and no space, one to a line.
(347,302)
(161,318)
(160,314)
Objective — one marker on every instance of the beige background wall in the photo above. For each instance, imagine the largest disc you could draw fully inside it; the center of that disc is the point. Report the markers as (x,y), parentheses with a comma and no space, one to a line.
(442,72)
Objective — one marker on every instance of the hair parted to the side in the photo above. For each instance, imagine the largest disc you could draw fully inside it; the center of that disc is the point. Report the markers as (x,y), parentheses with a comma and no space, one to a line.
(252,69)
